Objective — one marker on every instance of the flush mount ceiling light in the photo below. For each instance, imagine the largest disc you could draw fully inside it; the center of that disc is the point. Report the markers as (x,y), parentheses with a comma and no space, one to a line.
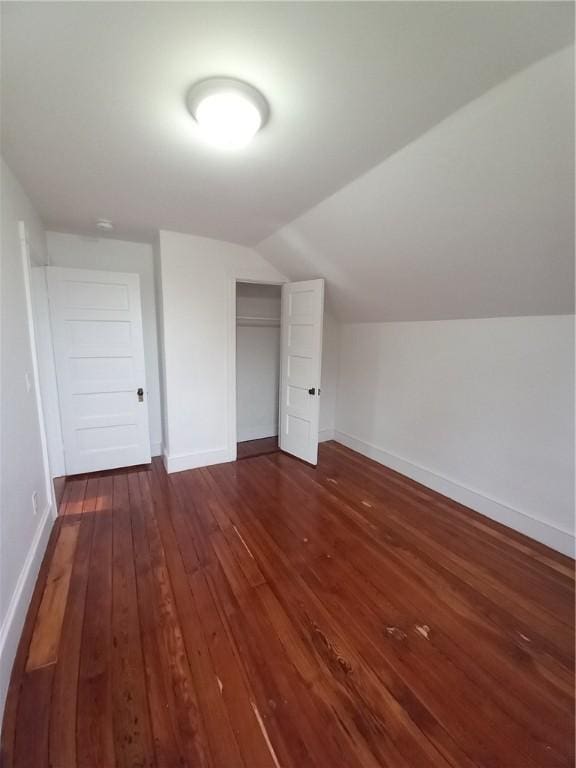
(229,112)
(104,224)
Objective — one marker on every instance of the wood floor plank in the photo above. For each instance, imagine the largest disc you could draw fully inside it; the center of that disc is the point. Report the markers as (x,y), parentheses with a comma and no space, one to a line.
(163,720)
(62,742)
(315,656)
(250,448)
(230,675)
(179,684)
(31,748)
(64,496)
(10,721)
(213,717)
(416,651)
(48,626)
(182,511)
(279,714)
(431,574)
(375,743)
(92,495)
(75,496)
(266,614)
(243,555)
(95,730)
(448,528)
(189,524)
(132,731)
(535,551)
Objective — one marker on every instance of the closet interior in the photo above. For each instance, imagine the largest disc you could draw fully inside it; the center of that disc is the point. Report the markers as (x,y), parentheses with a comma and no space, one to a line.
(257,368)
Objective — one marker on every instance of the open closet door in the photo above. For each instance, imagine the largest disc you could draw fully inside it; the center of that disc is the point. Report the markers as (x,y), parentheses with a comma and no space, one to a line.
(301,366)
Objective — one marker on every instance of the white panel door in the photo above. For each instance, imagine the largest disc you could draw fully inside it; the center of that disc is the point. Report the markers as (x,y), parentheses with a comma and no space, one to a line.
(301,367)
(99,354)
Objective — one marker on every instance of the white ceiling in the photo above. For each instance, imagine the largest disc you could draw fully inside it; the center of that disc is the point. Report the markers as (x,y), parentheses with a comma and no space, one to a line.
(94,122)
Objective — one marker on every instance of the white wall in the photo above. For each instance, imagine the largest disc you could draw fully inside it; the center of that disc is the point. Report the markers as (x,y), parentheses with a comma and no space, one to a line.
(258,300)
(158,293)
(330,371)
(23,535)
(475,218)
(257,381)
(481,410)
(74,251)
(198,296)
(257,361)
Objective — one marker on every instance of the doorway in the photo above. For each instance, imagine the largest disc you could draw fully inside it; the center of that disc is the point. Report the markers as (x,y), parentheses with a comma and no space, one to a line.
(96,321)
(257,368)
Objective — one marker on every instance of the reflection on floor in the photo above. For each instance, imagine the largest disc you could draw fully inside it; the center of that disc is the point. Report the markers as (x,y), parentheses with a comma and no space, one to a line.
(257,447)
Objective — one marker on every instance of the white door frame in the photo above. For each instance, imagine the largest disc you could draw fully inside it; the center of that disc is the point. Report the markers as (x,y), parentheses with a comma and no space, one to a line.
(47,370)
(232,436)
(26,270)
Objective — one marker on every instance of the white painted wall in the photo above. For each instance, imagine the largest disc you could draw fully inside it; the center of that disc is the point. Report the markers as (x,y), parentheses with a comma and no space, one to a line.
(78,252)
(481,410)
(257,378)
(23,535)
(158,293)
(257,361)
(330,371)
(474,218)
(258,300)
(199,319)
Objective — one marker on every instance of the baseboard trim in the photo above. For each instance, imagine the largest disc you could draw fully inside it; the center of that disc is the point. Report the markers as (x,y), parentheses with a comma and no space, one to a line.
(13,623)
(556,538)
(325,434)
(156,449)
(179,462)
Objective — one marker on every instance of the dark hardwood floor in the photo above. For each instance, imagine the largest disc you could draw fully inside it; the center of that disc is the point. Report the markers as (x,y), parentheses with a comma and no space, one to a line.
(264,613)
(260,447)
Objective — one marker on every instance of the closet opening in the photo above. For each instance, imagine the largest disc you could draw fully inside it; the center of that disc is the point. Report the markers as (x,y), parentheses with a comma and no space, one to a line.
(257,368)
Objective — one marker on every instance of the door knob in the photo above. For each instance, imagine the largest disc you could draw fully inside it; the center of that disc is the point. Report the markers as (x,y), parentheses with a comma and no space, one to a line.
(312,391)
(140,393)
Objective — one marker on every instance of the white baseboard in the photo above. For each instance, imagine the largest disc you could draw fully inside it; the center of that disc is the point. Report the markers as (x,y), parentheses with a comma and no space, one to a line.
(257,433)
(11,628)
(325,434)
(156,449)
(556,538)
(179,462)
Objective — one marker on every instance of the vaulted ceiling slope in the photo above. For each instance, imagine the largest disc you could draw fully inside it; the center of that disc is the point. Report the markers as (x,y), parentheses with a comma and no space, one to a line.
(473,219)
(94,122)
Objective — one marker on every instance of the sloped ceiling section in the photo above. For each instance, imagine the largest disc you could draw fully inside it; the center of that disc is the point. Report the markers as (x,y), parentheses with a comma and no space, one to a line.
(473,219)
(94,121)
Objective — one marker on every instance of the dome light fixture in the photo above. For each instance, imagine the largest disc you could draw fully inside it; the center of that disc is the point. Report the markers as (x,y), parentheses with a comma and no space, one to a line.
(229,112)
